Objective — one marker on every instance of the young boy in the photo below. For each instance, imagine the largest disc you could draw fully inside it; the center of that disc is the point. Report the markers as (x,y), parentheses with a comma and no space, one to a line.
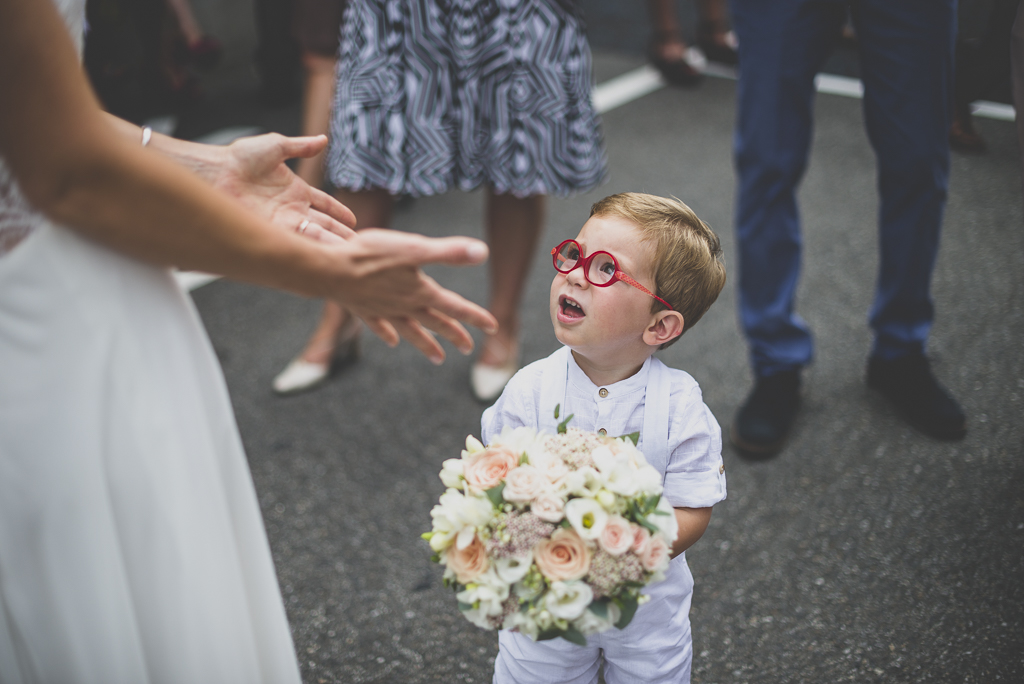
(640,273)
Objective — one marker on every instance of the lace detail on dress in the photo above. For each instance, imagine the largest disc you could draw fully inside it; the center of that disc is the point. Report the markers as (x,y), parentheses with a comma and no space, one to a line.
(17,217)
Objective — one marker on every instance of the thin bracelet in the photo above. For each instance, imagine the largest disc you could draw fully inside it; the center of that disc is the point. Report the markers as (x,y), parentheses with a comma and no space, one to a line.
(147,133)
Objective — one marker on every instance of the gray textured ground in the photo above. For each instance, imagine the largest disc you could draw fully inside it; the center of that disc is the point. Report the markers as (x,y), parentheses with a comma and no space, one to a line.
(864,552)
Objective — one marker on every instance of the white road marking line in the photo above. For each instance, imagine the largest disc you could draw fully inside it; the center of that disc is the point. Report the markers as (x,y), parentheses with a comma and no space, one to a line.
(607,96)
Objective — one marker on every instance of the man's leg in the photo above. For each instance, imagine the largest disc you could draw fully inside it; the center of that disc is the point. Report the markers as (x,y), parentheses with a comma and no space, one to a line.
(782,46)
(907,57)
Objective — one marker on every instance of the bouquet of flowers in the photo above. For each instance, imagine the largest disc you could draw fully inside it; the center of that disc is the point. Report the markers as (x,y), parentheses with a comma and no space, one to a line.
(551,535)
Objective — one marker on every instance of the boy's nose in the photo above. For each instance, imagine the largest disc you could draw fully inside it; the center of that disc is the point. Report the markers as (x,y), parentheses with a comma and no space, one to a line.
(577,278)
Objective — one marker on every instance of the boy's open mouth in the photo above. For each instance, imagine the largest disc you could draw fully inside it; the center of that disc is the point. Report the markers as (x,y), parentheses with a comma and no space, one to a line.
(570,308)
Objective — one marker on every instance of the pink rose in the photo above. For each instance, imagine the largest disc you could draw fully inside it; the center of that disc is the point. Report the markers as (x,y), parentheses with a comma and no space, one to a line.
(656,555)
(523,484)
(617,537)
(468,563)
(548,506)
(641,539)
(563,556)
(487,468)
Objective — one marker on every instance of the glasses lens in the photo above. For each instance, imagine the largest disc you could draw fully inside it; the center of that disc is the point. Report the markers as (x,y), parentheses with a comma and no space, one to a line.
(602,268)
(567,257)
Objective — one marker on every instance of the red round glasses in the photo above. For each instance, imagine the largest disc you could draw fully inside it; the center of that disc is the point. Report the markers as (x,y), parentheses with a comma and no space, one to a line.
(600,268)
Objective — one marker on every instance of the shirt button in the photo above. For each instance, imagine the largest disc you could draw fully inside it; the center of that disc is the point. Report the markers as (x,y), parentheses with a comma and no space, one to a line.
(603,393)
(721,469)
(602,432)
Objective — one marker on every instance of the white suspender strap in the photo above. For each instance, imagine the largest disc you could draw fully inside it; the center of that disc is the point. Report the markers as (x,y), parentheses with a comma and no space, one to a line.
(655,432)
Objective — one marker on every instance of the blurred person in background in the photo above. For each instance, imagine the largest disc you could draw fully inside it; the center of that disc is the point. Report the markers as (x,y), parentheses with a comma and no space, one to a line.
(131,543)
(669,53)
(906,55)
(432,97)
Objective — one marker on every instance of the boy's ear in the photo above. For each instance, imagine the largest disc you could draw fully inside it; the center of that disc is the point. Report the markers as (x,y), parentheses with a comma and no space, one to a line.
(665,326)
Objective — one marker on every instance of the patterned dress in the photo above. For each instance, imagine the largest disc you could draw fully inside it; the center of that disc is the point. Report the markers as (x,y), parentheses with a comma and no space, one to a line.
(441,94)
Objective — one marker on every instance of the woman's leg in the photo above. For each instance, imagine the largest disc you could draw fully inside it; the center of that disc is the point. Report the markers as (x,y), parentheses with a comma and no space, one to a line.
(316,111)
(514,225)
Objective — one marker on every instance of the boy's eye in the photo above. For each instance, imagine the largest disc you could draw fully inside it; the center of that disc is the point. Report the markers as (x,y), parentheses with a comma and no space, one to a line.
(572,254)
(608,268)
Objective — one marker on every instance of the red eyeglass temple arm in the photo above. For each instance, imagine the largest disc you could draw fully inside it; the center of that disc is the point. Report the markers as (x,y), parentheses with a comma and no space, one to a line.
(625,278)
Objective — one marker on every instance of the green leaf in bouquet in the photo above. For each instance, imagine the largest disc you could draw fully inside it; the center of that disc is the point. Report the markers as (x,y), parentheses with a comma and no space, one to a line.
(641,520)
(465,606)
(573,635)
(634,437)
(565,523)
(628,605)
(563,426)
(494,494)
(549,634)
(557,408)
(524,459)
(599,608)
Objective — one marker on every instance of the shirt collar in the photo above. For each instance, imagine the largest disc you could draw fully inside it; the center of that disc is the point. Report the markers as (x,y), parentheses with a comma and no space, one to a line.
(634,383)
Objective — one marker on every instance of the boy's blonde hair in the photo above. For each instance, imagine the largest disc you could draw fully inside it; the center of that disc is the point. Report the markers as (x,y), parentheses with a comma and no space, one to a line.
(689,271)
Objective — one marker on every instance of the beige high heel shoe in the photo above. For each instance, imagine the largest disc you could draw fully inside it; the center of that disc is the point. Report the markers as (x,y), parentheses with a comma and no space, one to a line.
(301,375)
(488,382)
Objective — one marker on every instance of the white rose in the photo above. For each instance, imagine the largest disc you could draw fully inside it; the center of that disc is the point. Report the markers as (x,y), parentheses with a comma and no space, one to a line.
(551,466)
(512,570)
(548,506)
(523,484)
(587,517)
(622,478)
(568,600)
(451,473)
(521,440)
(590,623)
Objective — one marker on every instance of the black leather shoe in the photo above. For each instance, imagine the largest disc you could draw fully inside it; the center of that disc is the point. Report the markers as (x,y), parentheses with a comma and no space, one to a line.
(764,420)
(907,382)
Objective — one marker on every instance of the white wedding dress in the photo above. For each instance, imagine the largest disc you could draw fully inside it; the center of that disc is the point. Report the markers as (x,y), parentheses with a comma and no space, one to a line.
(131,543)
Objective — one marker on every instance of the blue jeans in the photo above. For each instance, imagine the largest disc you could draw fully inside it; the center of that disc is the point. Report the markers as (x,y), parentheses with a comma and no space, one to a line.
(906,53)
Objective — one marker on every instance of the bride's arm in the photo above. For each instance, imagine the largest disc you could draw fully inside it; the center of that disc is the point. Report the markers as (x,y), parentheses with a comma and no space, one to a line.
(72,164)
(253,171)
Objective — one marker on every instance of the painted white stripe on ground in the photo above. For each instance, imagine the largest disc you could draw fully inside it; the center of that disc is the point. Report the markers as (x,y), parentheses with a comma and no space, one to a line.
(626,88)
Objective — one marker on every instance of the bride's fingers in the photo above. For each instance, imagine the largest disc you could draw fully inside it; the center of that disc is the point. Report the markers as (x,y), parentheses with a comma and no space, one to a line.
(337,228)
(302,146)
(320,234)
(382,329)
(420,337)
(448,328)
(326,204)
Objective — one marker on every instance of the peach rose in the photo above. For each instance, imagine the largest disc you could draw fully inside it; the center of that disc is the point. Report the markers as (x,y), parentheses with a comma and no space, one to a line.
(470,562)
(563,556)
(487,468)
(641,539)
(616,537)
(656,555)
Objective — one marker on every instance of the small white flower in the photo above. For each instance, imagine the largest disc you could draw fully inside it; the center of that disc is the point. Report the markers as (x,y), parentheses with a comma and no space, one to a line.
(665,520)
(607,500)
(473,446)
(451,473)
(568,600)
(512,570)
(589,623)
(458,515)
(521,440)
(587,517)
(649,480)
(524,623)
(486,596)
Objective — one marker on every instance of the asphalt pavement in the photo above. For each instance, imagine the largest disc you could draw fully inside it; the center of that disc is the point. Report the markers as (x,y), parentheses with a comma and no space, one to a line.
(863,552)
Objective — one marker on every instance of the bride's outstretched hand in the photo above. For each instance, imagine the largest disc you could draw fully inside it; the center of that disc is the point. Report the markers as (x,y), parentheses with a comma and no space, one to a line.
(255,173)
(384,285)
